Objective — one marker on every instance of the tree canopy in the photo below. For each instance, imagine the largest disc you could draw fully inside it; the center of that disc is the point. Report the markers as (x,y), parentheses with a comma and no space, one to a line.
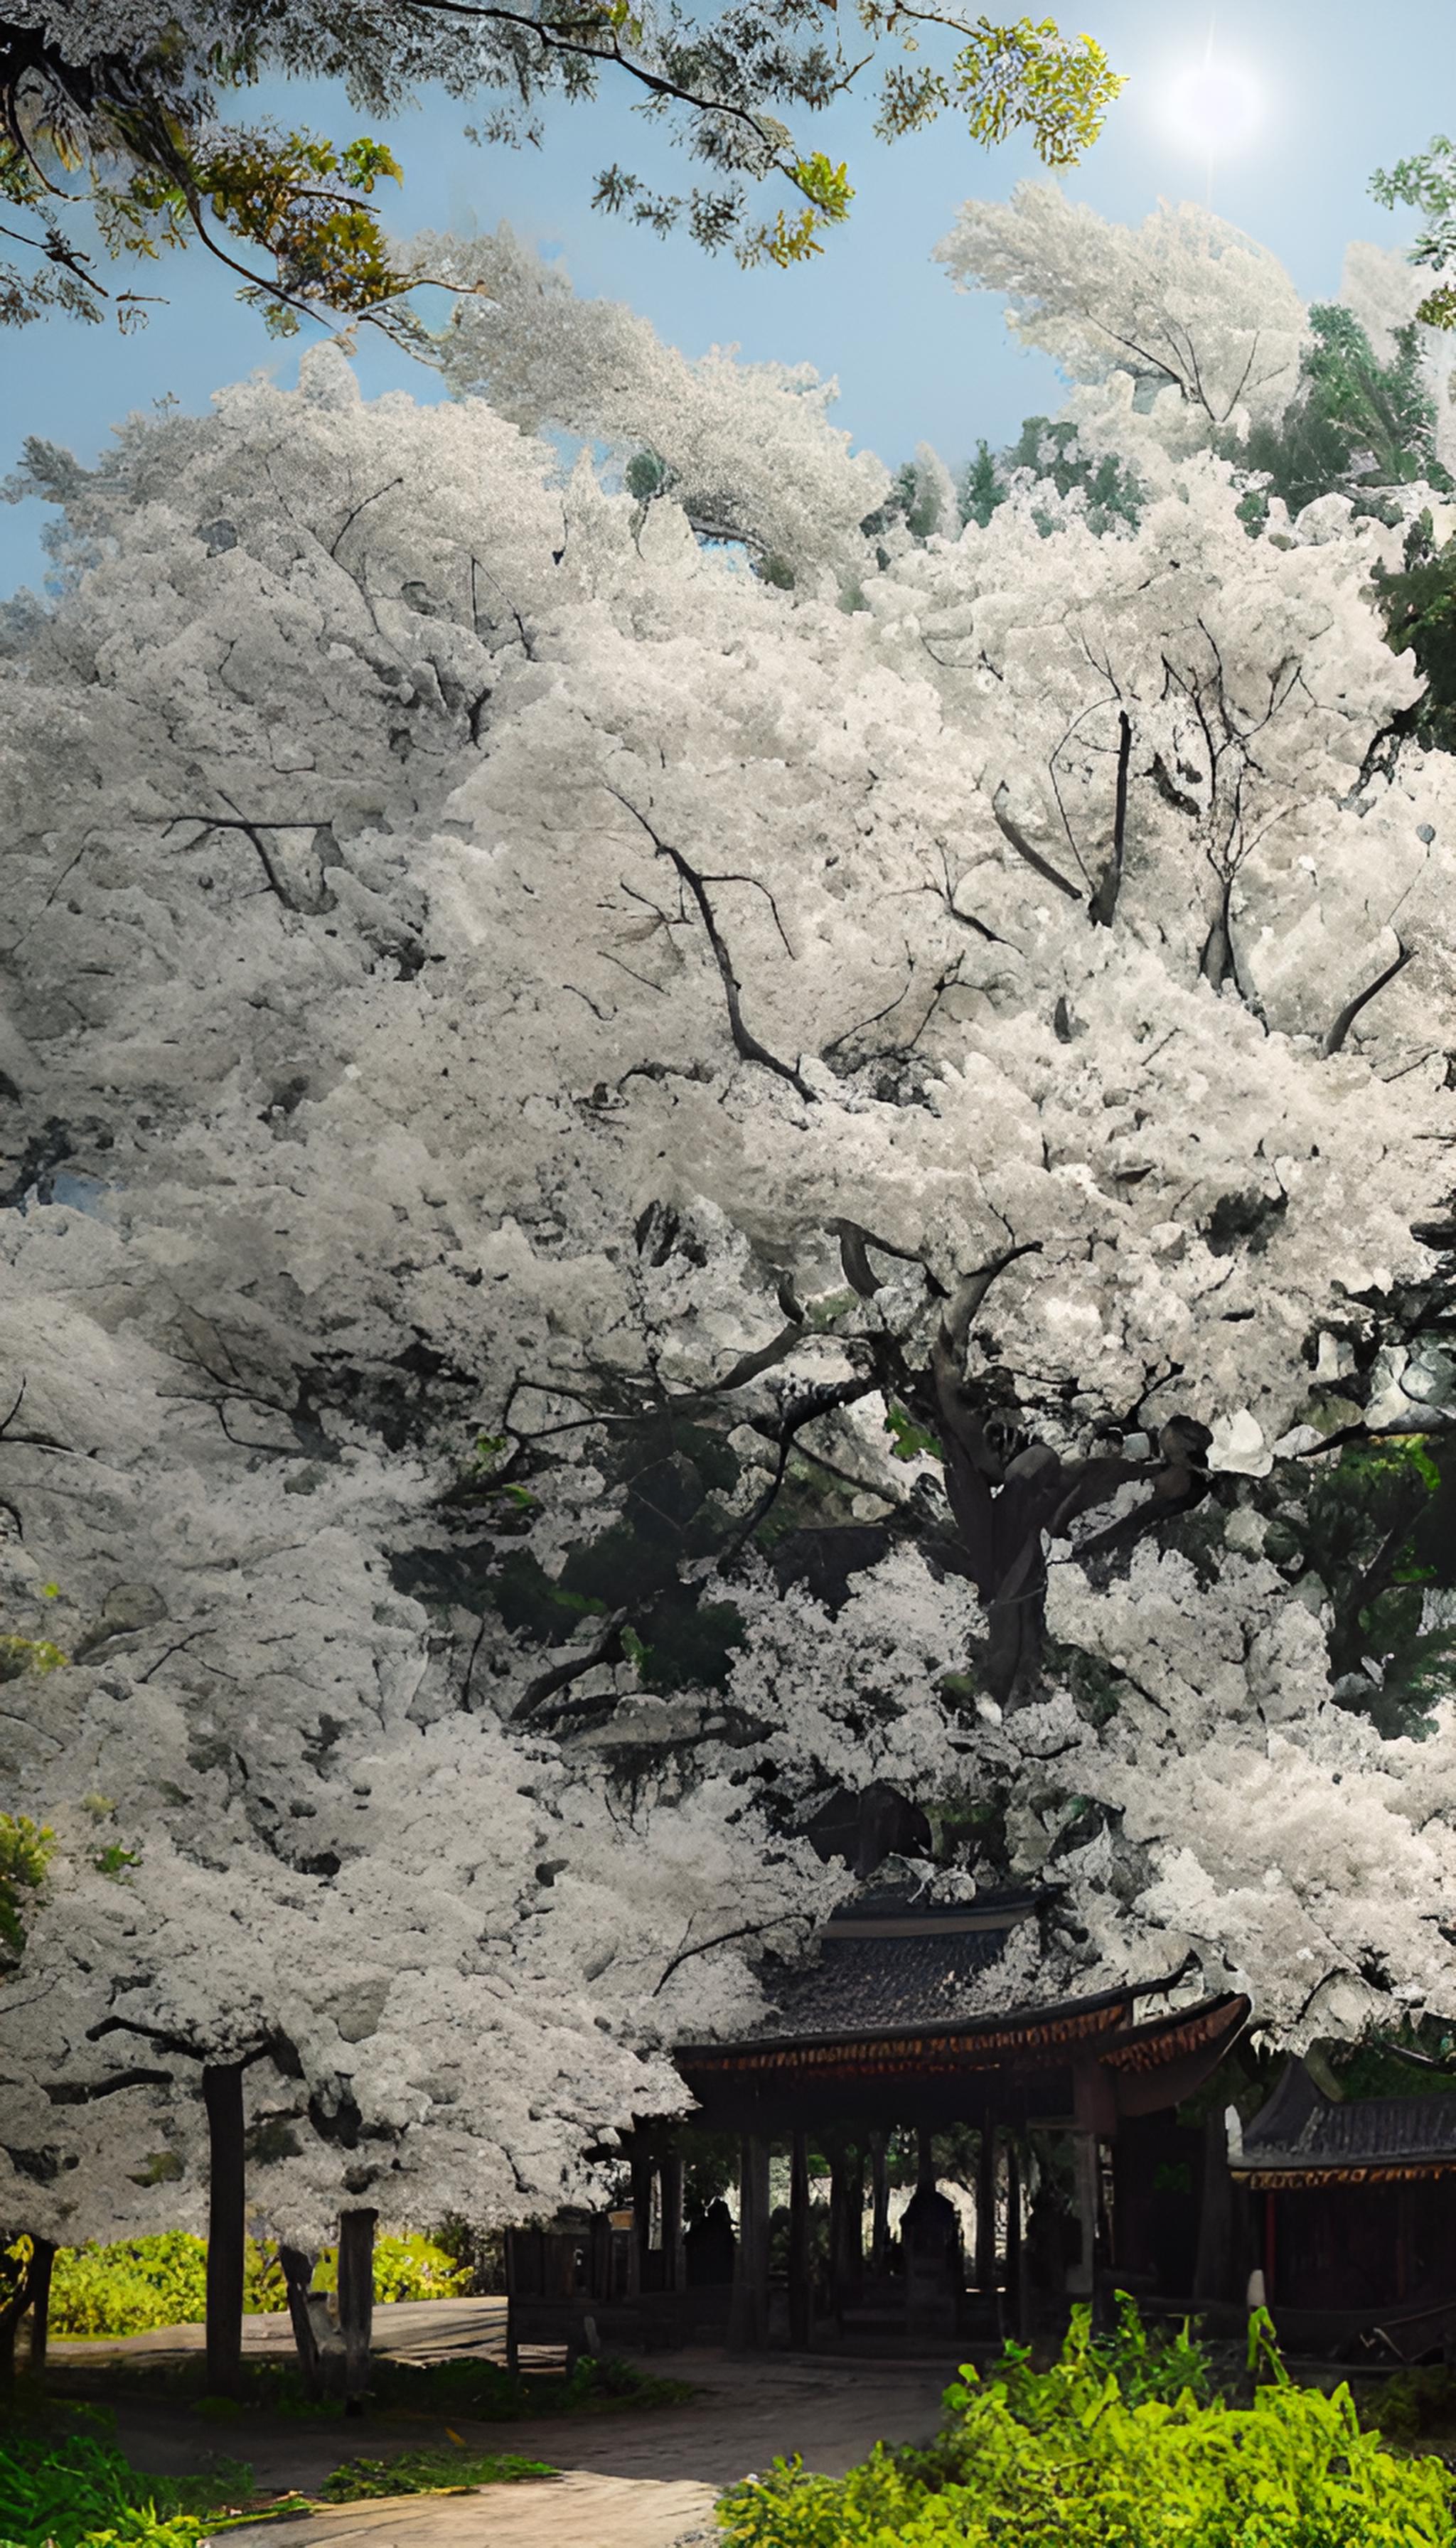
(706,1177)
(118,110)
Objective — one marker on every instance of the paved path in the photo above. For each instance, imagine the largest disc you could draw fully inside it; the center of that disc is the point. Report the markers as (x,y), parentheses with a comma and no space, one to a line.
(578,2511)
(642,2477)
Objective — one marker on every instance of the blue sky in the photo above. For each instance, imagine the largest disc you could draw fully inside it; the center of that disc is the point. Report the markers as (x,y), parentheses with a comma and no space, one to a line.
(1344,91)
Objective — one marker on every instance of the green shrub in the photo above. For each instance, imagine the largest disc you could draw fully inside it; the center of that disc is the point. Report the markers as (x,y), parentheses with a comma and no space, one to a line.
(76,2491)
(1120,2444)
(143,2282)
(412,2268)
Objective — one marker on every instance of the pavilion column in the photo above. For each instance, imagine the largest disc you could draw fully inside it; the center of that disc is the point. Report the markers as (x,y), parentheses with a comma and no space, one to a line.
(748,2322)
(670,2187)
(1014,2307)
(641,2167)
(1081,2275)
(879,2195)
(985,2211)
(800,2310)
(925,2159)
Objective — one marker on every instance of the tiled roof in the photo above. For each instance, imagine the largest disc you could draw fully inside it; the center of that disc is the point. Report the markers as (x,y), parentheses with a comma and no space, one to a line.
(1303,2133)
(889,1960)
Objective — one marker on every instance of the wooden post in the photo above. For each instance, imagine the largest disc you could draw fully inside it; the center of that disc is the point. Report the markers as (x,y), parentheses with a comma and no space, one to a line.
(800,2310)
(1081,2276)
(1013,2236)
(42,2262)
(845,2228)
(747,2322)
(925,2159)
(669,2180)
(356,2302)
(641,2164)
(1214,2273)
(985,2211)
(879,2193)
(222,2096)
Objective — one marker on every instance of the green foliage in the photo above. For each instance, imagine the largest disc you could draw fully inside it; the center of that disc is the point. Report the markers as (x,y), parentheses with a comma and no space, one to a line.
(1413,2403)
(1120,2444)
(141,2283)
(29,1654)
(1054,452)
(434,2471)
(909,1440)
(24,1853)
(1428,183)
(981,487)
(1420,609)
(1365,1534)
(78,2491)
(1355,427)
(408,2268)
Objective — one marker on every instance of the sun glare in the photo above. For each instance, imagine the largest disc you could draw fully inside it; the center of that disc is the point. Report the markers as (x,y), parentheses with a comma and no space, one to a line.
(1216,106)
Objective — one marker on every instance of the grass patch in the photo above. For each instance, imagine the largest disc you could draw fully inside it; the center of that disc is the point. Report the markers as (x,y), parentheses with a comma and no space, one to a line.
(74,2488)
(443,2472)
(77,2490)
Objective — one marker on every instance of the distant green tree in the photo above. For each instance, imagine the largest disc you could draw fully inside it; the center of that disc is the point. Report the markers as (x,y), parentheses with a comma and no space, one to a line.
(982,488)
(1355,427)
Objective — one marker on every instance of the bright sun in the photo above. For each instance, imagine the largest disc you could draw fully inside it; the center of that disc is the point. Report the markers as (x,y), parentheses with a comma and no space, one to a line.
(1216,106)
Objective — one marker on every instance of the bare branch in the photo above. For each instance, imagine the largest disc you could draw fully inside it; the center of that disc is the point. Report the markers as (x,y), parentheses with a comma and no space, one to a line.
(1351,1010)
(1012,832)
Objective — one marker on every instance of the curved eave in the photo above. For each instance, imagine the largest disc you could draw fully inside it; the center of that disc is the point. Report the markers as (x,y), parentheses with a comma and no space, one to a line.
(1101,2026)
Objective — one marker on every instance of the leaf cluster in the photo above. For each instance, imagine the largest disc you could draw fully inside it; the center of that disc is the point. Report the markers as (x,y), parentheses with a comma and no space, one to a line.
(1121,2443)
(160,168)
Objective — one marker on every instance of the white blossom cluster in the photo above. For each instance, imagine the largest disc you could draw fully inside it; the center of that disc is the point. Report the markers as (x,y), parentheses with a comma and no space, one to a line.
(476,966)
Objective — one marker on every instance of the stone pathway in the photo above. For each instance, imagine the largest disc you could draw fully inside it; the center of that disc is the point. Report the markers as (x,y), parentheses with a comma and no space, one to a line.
(577,2511)
(644,2478)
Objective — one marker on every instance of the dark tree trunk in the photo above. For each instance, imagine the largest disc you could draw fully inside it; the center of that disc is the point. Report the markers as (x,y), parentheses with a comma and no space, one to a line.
(41,2263)
(356,2301)
(799,2295)
(221,2090)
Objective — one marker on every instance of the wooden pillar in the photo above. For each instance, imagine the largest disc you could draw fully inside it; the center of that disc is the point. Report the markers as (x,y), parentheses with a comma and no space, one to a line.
(1081,2275)
(985,2209)
(670,2184)
(356,2302)
(1214,2274)
(1014,2296)
(748,2324)
(800,2296)
(925,2159)
(879,2193)
(222,2096)
(42,2262)
(641,2164)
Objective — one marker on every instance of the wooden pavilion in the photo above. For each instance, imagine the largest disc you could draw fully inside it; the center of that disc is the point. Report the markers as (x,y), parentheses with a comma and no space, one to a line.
(1355,2215)
(910,2014)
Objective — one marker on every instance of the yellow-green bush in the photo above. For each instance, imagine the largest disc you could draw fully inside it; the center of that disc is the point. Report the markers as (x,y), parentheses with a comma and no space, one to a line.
(1095,2453)
(141,2283)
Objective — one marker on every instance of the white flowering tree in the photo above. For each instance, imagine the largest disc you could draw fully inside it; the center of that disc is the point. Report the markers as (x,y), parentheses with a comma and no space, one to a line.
(647,1218)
